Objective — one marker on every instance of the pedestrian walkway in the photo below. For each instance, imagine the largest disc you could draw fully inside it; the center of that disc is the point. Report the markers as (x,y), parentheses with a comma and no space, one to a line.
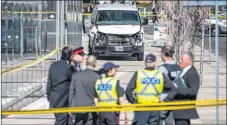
(207,90)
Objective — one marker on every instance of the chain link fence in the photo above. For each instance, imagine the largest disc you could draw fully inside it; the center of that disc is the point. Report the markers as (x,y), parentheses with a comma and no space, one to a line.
(29,31)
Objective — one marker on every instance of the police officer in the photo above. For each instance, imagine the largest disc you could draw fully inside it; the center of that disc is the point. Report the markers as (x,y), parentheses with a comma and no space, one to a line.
(77,58)
(147,84)
(109,93)
(171,69)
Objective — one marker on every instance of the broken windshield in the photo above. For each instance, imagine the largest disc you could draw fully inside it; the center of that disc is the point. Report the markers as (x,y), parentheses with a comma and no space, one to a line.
(118,17)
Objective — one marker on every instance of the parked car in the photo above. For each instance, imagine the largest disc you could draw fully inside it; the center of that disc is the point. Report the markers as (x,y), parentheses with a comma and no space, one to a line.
(212,22)
(11,39)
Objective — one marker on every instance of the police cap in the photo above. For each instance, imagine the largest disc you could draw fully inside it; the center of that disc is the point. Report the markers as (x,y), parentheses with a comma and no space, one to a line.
(79,51)
(109,65)
(150,58)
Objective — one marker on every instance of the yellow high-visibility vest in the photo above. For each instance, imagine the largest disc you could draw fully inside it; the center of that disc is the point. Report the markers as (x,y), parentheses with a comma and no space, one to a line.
(149,86)
(106,89)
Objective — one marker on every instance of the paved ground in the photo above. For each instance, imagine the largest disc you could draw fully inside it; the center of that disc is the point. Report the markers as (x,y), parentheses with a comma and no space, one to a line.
(148,29)
(128,66)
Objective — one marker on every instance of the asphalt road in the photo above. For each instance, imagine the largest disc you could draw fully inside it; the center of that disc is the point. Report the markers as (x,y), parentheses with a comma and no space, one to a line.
(148,29)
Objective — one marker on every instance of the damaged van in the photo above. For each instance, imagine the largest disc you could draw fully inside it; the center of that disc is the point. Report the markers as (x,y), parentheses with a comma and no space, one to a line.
(116,29)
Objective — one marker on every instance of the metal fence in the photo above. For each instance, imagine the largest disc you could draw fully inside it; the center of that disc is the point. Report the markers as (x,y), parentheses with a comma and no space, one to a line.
(29,31)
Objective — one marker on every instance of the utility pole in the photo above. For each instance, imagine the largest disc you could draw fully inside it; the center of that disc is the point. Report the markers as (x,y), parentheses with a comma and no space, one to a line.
(217,62)
(210,48)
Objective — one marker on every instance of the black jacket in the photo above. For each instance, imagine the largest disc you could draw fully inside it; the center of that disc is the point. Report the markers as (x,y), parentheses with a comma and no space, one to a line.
(191,78)
(58,83)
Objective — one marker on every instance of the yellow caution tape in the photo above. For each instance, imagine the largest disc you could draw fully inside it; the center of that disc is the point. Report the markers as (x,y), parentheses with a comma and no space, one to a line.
(85,14)
(30,63)
(198,102)
(160,107)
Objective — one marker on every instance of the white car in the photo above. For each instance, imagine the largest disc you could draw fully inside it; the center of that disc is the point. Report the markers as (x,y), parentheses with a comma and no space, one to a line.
(116,29)
(212,22)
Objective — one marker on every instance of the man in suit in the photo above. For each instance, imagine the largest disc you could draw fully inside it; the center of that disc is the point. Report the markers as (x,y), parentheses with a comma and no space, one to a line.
(59,78)
(82,92)
(191,79)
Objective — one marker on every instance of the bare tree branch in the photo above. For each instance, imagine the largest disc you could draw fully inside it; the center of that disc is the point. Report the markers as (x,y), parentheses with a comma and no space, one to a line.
(184,24)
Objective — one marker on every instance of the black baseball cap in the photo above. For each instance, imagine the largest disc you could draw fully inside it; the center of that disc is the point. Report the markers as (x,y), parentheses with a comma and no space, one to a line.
(150,58)
(109,65)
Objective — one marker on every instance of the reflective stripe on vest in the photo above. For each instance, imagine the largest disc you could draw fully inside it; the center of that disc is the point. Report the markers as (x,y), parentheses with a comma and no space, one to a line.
(145,88)
(149,86)
(107,89)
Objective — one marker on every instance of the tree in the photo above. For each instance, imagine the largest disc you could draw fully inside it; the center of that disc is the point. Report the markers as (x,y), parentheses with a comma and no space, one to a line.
(184,23)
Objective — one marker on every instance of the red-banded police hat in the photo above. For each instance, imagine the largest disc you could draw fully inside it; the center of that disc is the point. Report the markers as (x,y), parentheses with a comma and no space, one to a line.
(79,51)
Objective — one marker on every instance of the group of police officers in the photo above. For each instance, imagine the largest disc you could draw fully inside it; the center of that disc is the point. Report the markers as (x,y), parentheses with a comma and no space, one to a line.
(69,86)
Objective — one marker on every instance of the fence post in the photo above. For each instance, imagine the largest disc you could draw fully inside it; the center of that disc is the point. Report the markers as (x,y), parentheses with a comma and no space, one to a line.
(202,52)
(39,27)
(57,28)
(62,24)
(66,21)
(21,36)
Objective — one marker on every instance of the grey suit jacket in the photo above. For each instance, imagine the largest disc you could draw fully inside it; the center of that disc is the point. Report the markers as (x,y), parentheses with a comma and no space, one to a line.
(82,88)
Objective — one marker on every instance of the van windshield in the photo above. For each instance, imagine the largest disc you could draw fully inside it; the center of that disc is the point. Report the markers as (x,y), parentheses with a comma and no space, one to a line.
(118,17)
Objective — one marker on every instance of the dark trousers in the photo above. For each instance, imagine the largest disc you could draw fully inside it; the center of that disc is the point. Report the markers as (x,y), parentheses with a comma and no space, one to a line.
(182,121)
(143,118)
(167,118)
(61,118)
(84,30)
(84,118)
(108,118)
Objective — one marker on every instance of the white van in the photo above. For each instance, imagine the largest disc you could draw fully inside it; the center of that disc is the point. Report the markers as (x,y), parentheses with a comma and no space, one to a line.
(116,29)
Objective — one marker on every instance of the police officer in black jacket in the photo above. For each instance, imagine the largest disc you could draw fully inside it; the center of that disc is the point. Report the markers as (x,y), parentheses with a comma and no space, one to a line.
(77,58)
(171,69)
(59,78)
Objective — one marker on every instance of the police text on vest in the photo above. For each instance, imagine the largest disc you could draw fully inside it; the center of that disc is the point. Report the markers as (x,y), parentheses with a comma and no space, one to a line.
(104,87)
(150,80)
